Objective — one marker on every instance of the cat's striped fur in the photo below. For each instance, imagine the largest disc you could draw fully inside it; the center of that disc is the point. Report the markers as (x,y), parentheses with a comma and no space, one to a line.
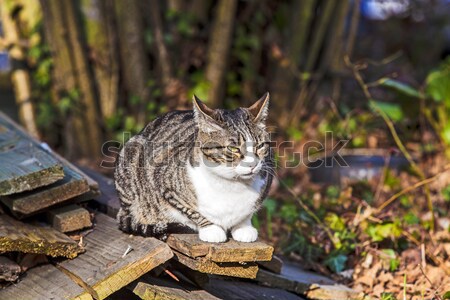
(152,177)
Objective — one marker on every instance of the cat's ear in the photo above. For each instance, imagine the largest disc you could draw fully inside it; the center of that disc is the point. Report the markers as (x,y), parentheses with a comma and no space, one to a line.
(260,110)
(205,116)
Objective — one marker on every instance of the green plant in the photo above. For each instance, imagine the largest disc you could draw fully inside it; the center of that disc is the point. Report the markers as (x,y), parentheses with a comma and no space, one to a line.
(435,96)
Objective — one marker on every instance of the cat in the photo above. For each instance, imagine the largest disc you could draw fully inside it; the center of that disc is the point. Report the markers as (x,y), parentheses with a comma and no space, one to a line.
(202,170)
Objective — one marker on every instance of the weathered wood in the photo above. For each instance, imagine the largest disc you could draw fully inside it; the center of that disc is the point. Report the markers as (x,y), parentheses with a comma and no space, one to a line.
(314,286)
(108,199)
(104,269)
(69,218)
(156,288)
(9,270)
(233,269)
(27,203)
(24,165)
(274,265)
(238,290)
(231,251)
(22,237)
(44,282)
(333,292)
(195,277)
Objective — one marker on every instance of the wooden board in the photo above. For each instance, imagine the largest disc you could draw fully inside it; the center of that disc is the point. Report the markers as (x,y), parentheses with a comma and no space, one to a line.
(314,286)
(108,200)
(156,288)
(9,270)
(103,269)
(238,290)
(42,283)
(24,165)
(234,269)
(22,237)
(274,265)
(69,218)
(230,251)
(27,203)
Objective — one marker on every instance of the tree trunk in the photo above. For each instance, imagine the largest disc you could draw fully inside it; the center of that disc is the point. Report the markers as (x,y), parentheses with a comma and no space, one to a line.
(173,89)
(284,79)
(19,75)
(98,17)
(133,55)
(219,48)
(162,53)
(72,77)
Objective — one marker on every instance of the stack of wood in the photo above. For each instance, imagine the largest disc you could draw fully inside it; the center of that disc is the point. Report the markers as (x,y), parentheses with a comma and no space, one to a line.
(37,185)
(45,231)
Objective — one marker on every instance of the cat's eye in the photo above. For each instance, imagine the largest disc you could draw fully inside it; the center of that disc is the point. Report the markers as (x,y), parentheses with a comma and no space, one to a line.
(262,145)
(233,149)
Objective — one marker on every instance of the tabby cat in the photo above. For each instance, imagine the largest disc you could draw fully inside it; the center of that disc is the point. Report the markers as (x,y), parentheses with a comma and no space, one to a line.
(207,170)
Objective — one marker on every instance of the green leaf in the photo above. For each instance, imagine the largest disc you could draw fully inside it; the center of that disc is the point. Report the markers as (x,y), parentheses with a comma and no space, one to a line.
(446,295)
(393,110)
(379,232)
(438,83)
(387,296)
(288,212)
(400,87)
(411,219)
(391,258)
(334,222)
(270,205)
(336,263)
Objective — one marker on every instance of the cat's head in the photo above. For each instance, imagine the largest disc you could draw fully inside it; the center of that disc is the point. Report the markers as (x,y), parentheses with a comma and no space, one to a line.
(233,143)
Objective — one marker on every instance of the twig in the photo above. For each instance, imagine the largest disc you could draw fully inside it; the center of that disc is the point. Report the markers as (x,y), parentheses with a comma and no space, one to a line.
(387,120)
(171,275)
(411,188)
(431,284)
(387,161)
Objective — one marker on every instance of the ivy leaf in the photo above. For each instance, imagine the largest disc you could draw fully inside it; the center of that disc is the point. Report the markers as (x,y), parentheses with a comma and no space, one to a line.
(336,263)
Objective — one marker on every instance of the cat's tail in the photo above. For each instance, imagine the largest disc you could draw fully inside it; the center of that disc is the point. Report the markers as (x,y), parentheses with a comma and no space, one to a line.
(159,230)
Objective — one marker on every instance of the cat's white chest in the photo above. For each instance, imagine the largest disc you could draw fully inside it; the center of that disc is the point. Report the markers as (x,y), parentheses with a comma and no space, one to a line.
(224,202)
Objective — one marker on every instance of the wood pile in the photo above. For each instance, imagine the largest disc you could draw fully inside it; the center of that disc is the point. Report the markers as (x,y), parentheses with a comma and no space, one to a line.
(59,240)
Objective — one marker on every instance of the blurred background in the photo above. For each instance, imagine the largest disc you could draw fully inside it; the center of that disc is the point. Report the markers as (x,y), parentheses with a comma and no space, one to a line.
(374,72)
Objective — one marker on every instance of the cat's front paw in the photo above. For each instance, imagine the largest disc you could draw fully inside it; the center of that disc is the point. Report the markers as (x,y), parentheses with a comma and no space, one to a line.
(245,234)
(212,233)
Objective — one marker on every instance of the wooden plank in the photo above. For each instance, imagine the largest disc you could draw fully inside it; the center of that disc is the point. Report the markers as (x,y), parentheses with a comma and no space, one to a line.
(27,203)
(311,285)
(9,270)
(22,237)
(108,200)
(44,282)
(274,265)
(25,166)
(103,268)
(333,292)
(238,290)
(231,251)
(152,288)
(69,218)
(233,269)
